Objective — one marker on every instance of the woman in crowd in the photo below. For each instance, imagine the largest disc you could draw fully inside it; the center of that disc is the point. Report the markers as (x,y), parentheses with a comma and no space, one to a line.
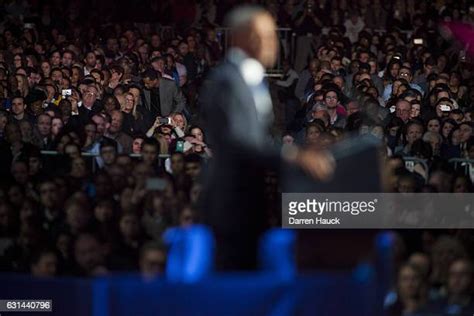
(411,292)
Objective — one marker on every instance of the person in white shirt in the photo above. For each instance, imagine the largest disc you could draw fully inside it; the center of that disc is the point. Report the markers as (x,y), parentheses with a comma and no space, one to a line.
(353,26)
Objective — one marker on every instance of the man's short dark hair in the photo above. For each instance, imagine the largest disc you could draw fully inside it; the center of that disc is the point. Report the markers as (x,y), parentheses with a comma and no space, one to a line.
(411,93)
(19,97)
(150,74)
(150,141)
(108,142)
(191,158)
(150,246)
(117,69)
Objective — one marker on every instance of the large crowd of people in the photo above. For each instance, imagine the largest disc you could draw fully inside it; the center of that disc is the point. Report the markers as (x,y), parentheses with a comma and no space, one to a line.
(102,145)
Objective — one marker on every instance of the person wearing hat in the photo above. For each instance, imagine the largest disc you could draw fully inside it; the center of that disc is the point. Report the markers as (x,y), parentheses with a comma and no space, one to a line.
(35,103)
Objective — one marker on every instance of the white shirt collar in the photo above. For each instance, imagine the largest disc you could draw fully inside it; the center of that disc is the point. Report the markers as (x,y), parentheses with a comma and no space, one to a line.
(251,69)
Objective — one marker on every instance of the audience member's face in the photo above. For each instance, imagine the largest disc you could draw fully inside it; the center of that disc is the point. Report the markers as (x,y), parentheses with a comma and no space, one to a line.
(149,154)
(129,103)
(88,253)
(65,139)
(101,124)
(447,127)
(48,195)
(67,59)
(18,106)
(414,132)
(72,151)
(77,217)
(91,131)
(4,216)
(46,266)
(321,115)
(152,263)
(364,58)
(110,105)
(137,145)
(57,125)
(415,110)
(46,69)
(34,165)
(129,227)
(433,126)
(331,100)
(158,65)
(461,185)
(409,283)
(20,172)
(76,75)
(56,59)
(459,278)
(141,173)
(352,108)
(183,49)
(27,211)
(136,94)
(108,154)
(456,137)
(3,122)
(186,218)
(179,121)
(78,168)
(403,110)
(117,120)
(177,164)
(394,70)
(90,96)
(91,60)
(125,162)
(197,133)
(63,244)
(406,185)
(16,196)
(103,213)
(57,76)
(466,132)
(435,144)
(155,41)
(149,83)
(44,125)
(421,261)
(193,169)
(12,133)
(312,135)
(457,117)
(440,181)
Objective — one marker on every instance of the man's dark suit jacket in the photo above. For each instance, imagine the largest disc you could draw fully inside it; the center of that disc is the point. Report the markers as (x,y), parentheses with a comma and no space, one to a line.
(233,196)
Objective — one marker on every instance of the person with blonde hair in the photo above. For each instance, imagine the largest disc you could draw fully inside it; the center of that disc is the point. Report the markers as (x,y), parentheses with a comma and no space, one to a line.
(134,120)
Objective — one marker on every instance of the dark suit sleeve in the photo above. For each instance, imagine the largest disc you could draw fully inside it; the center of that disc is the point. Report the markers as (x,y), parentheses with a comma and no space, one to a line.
(179,99)
(229,132)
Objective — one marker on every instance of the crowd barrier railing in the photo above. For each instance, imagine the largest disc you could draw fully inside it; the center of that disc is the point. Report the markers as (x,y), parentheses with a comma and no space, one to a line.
(465,164)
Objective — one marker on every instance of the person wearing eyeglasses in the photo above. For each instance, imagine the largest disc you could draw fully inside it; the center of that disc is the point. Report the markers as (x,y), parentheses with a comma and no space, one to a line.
(336,111)
(406,74)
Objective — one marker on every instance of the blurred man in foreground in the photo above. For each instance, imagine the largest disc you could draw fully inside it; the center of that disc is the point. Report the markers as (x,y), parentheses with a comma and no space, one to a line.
(237,115)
